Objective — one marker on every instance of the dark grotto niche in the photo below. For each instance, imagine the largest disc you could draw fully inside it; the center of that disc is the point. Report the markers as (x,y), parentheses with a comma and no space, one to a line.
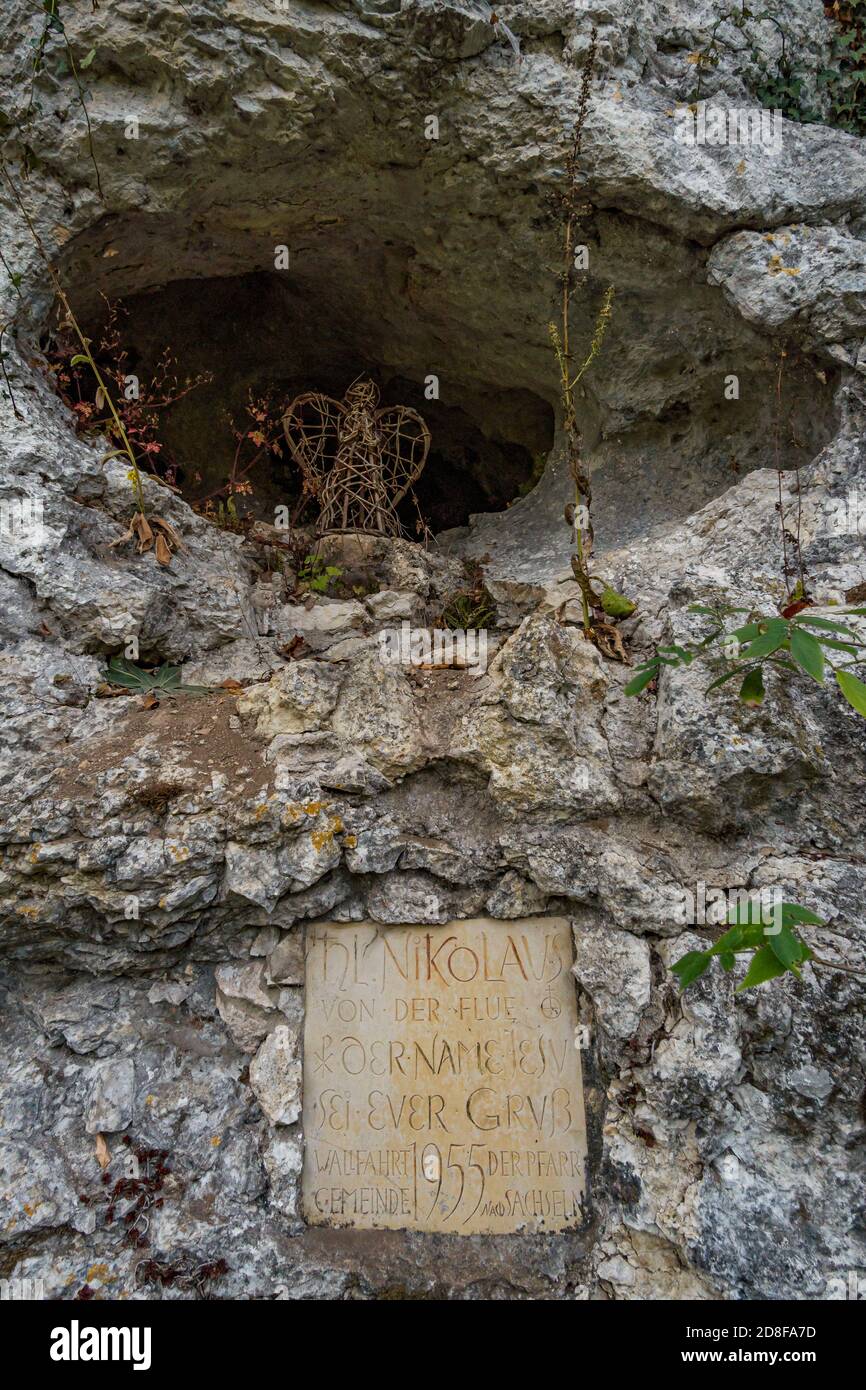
(488,447)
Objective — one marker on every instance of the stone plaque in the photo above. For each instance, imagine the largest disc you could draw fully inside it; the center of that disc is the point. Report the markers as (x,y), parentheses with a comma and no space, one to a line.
(442,1081)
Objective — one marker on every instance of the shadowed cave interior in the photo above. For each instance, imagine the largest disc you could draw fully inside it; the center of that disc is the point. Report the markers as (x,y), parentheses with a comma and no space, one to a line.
(256,338)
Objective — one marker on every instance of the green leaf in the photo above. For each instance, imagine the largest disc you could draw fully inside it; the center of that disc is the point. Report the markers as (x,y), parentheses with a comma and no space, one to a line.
(135,678)
(85,62)
(78,359)
(839,646)
(786,948)
(808,654)
(769,642)
(727,959)
(854,691)
(641,680)
(690,967)
(745,634)
(803,620)
(752,689)
(764,967)
(794,913)
(720,680)
(741,936)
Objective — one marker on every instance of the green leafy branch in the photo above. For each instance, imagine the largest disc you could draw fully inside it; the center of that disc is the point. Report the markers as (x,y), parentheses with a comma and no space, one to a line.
(846,85)
(709,56)
(775,949)
(781,84)
(781,642)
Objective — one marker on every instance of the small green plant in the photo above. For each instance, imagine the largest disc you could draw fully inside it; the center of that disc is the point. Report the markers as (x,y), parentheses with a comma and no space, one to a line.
(782,642)
(316,575)
(783,86)
(161,680)
(469,610)
(846,84)
(226,515)
(774,948)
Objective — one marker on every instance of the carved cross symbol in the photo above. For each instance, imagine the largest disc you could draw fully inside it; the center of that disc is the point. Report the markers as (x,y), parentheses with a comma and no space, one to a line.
(323,1055)
(357,459)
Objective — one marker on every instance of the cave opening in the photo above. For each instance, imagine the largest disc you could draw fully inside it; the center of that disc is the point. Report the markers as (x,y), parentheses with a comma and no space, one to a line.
(212,363)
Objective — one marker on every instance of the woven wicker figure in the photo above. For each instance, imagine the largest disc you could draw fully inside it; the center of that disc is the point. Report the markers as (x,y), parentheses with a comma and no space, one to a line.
(357,459)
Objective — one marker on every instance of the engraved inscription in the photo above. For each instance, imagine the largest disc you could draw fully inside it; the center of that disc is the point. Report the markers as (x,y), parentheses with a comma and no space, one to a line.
(442,1080)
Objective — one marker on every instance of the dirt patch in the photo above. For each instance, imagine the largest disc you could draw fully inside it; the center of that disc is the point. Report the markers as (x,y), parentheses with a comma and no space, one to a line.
(191,729)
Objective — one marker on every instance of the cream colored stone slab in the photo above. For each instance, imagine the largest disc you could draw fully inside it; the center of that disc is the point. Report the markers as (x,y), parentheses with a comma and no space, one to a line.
(442,1081)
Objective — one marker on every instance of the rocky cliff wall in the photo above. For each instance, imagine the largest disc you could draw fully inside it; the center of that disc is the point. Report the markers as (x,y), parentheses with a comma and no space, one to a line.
(724,1130)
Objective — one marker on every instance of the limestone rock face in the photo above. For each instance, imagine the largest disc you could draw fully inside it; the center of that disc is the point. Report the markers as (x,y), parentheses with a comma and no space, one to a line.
(275,1076)
(159,864)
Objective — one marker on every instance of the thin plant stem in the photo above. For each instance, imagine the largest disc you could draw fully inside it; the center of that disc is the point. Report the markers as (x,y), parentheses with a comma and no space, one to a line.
(86,353)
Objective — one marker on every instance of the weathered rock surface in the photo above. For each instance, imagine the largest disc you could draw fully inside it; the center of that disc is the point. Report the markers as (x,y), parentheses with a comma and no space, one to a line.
(159,864)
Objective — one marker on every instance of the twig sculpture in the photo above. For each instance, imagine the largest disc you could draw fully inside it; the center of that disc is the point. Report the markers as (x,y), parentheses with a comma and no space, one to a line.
(357,459)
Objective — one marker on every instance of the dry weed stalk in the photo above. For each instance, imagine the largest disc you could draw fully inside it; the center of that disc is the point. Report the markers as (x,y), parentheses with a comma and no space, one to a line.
(574,208)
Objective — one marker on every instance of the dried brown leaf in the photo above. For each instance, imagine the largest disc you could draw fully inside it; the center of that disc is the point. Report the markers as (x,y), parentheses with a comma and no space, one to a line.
(173,536)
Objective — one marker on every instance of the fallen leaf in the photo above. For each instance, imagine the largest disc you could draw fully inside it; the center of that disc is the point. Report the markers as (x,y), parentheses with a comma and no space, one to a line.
(794,608)
(104,691)
(163,525)
(103,1157)
(606,636)
(163,551)
(291,650)
(141,527)
(230,684)
(148,701)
